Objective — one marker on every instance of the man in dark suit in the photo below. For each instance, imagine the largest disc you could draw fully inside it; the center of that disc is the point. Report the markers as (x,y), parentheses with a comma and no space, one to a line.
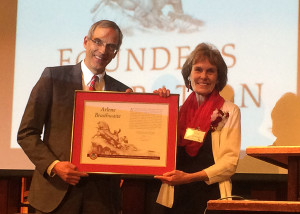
(57,186)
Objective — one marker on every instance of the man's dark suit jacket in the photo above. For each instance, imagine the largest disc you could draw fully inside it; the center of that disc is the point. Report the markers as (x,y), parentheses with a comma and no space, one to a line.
(50,106)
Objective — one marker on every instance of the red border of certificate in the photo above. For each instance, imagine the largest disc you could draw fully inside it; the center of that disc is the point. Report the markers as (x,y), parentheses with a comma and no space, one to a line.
(82,96)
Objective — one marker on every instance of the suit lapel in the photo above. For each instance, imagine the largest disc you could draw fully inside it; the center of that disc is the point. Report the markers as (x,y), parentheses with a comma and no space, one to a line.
(109,84)
(76,77)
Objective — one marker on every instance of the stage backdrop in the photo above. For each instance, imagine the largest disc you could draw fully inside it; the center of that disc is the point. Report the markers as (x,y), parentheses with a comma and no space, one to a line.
(257,38)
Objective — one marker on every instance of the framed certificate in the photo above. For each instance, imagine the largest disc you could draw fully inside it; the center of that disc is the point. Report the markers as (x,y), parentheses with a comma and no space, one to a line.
(125,133)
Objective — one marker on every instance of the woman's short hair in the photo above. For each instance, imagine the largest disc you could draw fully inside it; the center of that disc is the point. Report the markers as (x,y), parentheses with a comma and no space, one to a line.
(106,24)
(206,51)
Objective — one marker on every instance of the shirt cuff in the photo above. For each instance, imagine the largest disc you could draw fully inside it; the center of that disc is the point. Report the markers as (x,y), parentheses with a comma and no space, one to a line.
(50,167)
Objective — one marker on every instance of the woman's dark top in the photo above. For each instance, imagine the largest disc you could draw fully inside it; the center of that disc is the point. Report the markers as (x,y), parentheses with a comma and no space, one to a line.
(192,198)
(188,198)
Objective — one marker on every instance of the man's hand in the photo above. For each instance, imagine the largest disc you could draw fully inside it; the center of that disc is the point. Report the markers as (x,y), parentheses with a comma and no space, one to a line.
(128,90)
(68,172)
(163,92)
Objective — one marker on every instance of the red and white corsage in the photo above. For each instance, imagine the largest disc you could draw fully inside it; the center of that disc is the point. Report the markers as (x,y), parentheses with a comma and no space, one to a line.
(218,120)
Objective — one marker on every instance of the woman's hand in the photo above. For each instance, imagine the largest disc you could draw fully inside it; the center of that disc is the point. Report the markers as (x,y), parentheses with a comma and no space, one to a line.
(175,177)
(163,92)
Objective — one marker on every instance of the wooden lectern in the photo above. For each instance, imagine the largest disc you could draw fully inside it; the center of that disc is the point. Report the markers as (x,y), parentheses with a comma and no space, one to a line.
(287,157)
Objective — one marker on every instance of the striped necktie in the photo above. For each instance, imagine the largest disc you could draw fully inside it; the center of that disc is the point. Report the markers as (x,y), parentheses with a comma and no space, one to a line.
(93,82)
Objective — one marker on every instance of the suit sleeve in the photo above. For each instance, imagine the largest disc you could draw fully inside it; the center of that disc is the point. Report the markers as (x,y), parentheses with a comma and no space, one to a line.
(34,120)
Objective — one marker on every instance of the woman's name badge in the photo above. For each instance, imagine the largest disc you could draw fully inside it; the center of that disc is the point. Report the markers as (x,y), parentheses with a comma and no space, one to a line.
(194,135)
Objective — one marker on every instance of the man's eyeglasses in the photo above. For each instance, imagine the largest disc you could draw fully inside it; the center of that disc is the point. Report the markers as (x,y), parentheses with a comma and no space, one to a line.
(112,48)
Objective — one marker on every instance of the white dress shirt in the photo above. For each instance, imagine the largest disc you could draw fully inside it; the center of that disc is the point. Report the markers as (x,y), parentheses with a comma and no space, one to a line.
(87,77)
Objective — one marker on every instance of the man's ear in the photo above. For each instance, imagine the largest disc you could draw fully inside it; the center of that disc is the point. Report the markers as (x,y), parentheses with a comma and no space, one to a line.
(85,40)
(115,54)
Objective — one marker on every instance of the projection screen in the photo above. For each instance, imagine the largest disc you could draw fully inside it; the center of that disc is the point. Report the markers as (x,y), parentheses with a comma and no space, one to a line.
(258,40)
